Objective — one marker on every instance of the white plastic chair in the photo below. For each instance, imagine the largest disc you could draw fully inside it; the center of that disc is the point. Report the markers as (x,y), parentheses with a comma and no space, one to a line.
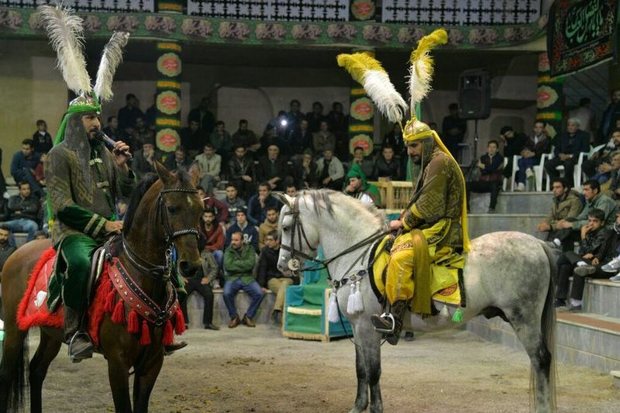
(582,156)
(576,169)
(515,167)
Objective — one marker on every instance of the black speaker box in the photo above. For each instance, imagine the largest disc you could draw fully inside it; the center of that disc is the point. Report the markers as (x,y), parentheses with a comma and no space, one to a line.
(474,94)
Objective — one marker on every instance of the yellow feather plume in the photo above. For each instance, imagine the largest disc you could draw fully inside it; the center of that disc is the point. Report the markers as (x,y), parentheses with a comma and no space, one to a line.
(368,71)
(421,72)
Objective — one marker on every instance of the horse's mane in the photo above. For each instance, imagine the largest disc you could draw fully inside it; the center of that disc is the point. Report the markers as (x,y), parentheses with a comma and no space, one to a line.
(324,200)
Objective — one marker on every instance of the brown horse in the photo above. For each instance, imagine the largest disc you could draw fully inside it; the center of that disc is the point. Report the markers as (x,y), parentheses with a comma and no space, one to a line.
(162,216)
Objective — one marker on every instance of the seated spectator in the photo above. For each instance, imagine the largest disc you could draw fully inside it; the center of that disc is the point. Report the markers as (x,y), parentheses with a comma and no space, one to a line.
(386,165)
(513,145)
(330,171)
(143,159)
(359,188)
(41,139)
(193,138)
(613,185)
(24,164)
(566,206)
(212,236)
(214,204)
(270,277)
(366,165)
(305,169)
(315,117)
(291,190)
(233,202)
(594,199)
(598,166)
(6,247)
(270,224)
(248,231)
(202,283)
(23,212)
(294,115)
(239,260)
(323,138)
(591,253)
(245,137)
(241,172)
(394,139)
(490,177)
(179,162)
(128,114)
(273,168)
(141,133)
(339,125)
(568,146)
(210,166)
(221,140)
(535,146)
(301,138)
(204,117)
(258,204)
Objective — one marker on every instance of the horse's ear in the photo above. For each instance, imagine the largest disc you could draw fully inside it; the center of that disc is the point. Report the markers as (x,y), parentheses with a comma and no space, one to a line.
(284,198)
(164,174)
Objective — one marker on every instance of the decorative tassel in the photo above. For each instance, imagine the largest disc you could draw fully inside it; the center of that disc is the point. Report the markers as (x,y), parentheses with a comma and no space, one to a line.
(357,299)
(332,310)
(168,334)
(179,322)
(145,335)
(457,317)
(351,300)
(133,322)
(109,301)
(118,316)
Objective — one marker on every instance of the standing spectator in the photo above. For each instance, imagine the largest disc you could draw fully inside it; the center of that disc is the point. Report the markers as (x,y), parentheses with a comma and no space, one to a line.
(239,261)
(128,114)
(233,202)
(339,125)
(330,171)
(210,164)
(204,117)
(6,247)
(301,138)
(112,129)
(24,164)
(212,236)
(178,162)
(221,140)
(258,204)
(270,277)
(193,138)
(42,140)
(150,116)
(23,211)
(386,165)
(453,129)
(315,117)
(241,172)
(323,138)
(535,146)
(294,115)
(513,145)
(273,168)
(202,283)
(610,116)
(270,224)
(248,231)
(568,146)
(245,137)
(566,206)
(490,166)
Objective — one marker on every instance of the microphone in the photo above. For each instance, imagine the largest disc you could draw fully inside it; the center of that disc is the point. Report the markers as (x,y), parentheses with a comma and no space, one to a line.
(100,135)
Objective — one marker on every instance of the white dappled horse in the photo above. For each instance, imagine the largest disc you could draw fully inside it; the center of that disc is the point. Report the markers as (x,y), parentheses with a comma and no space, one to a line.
(507,274)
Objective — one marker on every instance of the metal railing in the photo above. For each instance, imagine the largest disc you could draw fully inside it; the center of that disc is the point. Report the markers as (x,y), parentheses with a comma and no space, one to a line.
(274,10)
(90,5)
(461,12)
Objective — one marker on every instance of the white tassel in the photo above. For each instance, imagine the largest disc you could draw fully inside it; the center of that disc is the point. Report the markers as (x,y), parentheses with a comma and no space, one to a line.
(357,299)
(351,300)
(332,310)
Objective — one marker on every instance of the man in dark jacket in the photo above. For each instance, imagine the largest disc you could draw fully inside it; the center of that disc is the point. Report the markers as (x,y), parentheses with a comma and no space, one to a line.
(568,146)
(23,211)
(273,168)
(490,166)
(23,165)
(535,146)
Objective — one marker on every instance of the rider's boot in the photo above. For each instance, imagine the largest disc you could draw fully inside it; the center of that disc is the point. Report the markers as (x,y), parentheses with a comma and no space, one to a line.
(390,323)
(76,336)
(171,348)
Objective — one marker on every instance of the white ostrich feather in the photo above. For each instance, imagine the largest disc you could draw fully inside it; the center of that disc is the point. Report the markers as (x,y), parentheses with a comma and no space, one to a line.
(383,93)
(420,79)
(112,57)
(65,33)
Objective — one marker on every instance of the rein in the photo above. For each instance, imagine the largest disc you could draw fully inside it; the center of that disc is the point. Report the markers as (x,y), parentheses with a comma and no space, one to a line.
(145,267)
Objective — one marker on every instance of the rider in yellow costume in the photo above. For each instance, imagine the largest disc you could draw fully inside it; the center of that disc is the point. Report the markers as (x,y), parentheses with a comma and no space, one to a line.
(434,225)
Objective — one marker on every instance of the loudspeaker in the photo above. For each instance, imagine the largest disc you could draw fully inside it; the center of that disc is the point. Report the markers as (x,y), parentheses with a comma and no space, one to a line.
(474,94)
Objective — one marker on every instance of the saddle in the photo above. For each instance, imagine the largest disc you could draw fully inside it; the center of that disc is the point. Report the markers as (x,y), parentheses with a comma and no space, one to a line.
(445,274)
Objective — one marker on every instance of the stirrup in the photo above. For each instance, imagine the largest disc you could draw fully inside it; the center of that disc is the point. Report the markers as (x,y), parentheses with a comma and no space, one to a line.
(85,352)
(379,323)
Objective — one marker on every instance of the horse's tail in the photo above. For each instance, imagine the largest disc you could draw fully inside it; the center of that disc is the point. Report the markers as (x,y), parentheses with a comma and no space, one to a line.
(548,323)
(13,370)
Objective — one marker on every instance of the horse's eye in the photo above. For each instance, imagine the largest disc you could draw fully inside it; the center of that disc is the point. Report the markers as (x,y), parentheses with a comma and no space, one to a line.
(172,209)
(284,229)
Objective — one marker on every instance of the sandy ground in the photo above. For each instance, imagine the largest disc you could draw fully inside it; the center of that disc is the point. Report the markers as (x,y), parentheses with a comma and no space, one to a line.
(257,370)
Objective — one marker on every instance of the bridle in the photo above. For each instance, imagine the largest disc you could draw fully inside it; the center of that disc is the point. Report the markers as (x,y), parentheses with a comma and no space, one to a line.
(298,229)
(157,271)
